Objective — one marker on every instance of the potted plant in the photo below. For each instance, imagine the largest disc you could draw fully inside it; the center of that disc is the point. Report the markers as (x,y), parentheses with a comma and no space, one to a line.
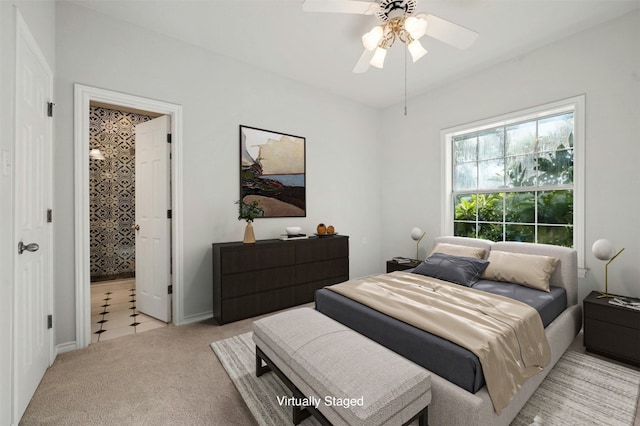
(248,212)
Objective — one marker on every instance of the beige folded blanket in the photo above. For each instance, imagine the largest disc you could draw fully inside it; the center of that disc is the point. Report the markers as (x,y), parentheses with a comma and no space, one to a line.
(506,335)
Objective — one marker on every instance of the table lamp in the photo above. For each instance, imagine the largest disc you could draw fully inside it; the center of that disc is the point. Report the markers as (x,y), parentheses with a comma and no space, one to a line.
(417,235)
(603,250)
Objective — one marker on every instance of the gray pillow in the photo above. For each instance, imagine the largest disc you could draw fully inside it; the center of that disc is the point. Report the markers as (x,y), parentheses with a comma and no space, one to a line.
(456,269)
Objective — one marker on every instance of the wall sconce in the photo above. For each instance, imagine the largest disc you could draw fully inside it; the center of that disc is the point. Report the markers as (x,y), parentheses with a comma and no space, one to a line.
(417,235)
(603,250)
(95,154)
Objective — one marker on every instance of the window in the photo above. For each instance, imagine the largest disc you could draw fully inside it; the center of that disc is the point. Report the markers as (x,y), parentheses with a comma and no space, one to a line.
(518,177)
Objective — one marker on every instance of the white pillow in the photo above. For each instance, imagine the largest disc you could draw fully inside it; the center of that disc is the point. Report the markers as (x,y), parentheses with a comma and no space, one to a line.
(528,270)
(457,250)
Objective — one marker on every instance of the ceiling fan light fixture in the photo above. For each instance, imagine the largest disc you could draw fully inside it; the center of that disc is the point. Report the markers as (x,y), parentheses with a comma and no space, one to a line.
(96,154)
(378,57)
(399,22)
(415,26)
(371,40)
(416,50)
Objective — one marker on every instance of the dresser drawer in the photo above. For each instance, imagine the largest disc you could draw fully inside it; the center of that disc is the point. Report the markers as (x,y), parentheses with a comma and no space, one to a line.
(612,314)
(257,281)
(255,257)
(612,331)
(612,340)
(324,248)
(308,272)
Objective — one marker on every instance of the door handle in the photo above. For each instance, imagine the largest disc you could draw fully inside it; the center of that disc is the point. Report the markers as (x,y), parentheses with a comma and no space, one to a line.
(136,227)
(29,247)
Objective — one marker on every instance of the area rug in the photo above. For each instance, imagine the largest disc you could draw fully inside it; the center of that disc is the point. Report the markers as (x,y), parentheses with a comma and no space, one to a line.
(580,390)
(583,390)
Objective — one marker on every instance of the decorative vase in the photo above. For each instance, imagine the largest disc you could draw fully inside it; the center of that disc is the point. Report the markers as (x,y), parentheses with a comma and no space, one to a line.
(249,236)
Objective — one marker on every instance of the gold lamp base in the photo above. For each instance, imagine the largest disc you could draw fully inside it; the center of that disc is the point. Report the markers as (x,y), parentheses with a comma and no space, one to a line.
(606,278)
(606,295)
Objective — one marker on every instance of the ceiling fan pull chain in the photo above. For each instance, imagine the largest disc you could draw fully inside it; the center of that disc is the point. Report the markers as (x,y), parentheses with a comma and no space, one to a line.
(405,82)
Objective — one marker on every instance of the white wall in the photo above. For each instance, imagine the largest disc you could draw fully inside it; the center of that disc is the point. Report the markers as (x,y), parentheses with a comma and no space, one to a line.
(217,94)
(40,18)
(347,174)
(604,64)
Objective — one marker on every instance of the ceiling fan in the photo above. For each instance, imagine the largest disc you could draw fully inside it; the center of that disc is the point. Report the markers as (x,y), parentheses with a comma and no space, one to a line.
(398,23)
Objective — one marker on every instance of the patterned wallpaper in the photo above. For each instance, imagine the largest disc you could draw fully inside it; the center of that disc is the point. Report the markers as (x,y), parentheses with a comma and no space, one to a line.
(112,193)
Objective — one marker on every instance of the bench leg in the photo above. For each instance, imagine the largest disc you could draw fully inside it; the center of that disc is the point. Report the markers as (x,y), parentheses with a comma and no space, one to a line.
(423,420)
(260,369)
(299,414)
(422,417)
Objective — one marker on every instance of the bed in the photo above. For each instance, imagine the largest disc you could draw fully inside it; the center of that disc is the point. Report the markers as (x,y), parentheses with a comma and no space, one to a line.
(460,396)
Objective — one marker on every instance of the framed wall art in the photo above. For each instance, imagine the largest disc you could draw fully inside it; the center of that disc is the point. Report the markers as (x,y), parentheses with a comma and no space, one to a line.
(272,172)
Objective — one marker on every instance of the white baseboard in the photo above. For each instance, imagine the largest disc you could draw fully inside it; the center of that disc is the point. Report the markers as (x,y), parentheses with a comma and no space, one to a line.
(197,317)
(72,346)
(66,347)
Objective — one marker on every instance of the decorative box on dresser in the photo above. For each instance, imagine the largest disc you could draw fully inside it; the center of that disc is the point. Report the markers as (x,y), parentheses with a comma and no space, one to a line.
(253,279)
(610,330)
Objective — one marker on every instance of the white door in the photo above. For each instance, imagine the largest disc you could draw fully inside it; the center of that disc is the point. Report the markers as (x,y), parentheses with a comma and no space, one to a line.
(33,281)
(153,255)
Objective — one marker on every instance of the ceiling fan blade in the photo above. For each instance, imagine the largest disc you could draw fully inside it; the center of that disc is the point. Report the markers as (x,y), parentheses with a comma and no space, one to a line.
(448,32)
(363,62)
(341,6)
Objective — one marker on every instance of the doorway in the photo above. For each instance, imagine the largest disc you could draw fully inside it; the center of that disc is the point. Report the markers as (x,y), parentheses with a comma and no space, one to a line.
(116,190)
(85,98)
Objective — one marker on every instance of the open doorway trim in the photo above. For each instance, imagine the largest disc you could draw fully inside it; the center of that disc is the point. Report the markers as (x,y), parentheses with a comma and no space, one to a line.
(83,95)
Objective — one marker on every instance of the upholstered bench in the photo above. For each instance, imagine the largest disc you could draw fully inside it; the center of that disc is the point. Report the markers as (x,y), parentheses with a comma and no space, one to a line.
(338,375)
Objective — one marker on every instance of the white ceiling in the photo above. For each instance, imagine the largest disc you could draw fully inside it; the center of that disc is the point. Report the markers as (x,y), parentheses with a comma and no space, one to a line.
(320,49)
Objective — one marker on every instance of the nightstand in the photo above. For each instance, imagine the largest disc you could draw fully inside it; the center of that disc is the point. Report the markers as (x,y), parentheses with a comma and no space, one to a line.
(611,331)
(395,266)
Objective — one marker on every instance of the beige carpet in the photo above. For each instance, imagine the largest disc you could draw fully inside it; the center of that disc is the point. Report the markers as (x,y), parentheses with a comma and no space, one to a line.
(167,376)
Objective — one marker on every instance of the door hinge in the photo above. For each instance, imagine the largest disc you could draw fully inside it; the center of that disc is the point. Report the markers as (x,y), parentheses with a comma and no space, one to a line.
(170,289)
(49,321)
(168,214)
(49,216)
(168,137)
(50,109)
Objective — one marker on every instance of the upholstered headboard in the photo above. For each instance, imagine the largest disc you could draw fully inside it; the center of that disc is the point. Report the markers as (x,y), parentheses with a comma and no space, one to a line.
(464,241)
(565,275)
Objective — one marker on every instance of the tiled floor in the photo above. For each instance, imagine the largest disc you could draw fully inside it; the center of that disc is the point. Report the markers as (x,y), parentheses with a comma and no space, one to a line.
(114,313)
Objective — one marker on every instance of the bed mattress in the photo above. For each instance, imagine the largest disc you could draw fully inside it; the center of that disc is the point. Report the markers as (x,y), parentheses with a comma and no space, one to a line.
(549,305)
(440,356)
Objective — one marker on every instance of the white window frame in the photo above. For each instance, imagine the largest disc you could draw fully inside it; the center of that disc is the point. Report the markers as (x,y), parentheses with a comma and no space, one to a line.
(576,104)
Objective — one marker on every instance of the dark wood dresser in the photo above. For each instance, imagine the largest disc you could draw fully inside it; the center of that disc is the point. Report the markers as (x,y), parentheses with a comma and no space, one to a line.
(611,331)
(253,279)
